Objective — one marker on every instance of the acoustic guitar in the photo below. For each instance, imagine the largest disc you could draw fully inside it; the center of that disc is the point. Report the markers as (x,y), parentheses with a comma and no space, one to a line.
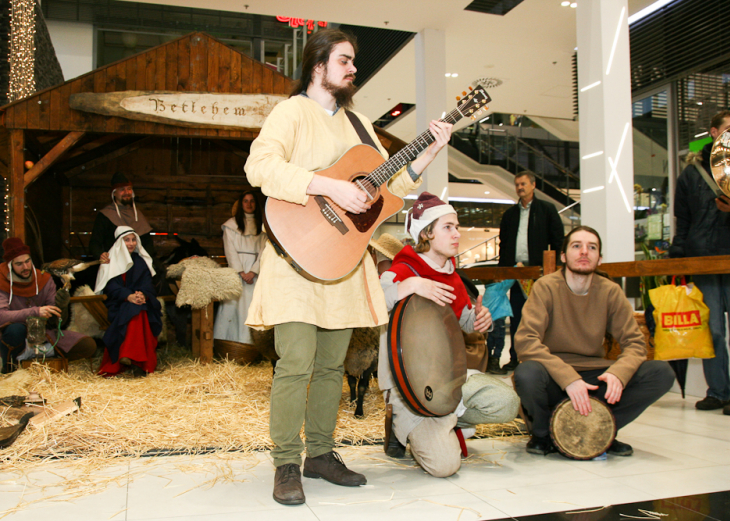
(323,242)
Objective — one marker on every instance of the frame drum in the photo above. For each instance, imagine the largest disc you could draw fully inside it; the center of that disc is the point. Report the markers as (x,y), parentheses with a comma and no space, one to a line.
(582,437)
(427,355)
(720,162)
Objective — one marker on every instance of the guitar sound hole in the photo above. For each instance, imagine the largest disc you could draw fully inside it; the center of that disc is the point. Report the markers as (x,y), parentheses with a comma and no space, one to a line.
(364,221)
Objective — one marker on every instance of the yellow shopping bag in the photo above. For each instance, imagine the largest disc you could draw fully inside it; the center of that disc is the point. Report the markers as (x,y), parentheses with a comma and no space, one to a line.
(682,323)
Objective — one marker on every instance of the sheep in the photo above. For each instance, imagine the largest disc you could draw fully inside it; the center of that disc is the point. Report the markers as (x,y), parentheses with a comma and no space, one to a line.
(264,342)
(360,363)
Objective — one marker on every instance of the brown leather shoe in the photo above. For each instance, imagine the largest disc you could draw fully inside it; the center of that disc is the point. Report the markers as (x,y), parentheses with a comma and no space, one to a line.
(288,485)
(330,466)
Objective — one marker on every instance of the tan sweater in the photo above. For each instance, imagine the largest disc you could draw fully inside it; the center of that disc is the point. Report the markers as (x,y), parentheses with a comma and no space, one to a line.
(564,331)
(298,138)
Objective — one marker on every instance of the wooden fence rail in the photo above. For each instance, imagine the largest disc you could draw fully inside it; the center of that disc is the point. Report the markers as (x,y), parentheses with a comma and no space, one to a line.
(684,266)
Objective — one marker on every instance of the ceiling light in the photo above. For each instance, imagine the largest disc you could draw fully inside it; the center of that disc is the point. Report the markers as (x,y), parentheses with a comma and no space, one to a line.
(483,120)
(455,75)
(701,134)
(486,192)
(501,124)
(565,4)
(448,75)
(574,5)
(699,103)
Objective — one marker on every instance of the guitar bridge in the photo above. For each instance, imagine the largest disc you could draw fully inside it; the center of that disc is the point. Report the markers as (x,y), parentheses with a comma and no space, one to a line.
(330,214)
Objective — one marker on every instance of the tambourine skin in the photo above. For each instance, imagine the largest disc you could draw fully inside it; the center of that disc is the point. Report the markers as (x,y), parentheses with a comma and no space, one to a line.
(582,437)
(427,355)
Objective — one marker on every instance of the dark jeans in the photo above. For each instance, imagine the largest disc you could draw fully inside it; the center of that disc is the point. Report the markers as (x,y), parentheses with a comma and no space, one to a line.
(517,300)
(13,342)
(716,292)
(540,394)
(495,339)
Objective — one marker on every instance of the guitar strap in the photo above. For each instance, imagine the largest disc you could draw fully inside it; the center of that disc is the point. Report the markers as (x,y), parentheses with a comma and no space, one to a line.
(360,129)
(367,140)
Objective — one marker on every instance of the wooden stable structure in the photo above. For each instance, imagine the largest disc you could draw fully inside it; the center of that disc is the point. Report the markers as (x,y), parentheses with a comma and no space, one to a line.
(185,177)
(57,162)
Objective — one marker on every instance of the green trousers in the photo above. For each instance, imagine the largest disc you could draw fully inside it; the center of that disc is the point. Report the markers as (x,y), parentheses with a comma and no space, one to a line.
(309,357)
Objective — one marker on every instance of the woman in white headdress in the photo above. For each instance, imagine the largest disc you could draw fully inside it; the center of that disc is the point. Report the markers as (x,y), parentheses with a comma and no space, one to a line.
(135,317)
(243,242)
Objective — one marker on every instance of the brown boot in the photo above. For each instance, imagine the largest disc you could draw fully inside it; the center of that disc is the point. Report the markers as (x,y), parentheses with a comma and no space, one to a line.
(288,485)
(331,467)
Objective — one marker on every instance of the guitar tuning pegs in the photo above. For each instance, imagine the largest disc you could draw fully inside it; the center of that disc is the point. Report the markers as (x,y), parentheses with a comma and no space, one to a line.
(458,98)
(471,88)
(463,93)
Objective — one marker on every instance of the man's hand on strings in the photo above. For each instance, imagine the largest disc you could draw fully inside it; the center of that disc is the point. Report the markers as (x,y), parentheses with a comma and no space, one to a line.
(343,193)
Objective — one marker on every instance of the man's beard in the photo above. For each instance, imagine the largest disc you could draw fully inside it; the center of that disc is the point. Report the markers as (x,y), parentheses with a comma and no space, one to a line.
(127,201)
(580,270)
(24,275)
(343,95)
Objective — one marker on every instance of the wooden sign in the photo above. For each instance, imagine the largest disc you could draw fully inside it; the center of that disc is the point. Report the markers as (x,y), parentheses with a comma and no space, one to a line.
(187,109)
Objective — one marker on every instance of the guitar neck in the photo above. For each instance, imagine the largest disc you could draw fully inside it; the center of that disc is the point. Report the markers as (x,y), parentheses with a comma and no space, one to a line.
(384,172)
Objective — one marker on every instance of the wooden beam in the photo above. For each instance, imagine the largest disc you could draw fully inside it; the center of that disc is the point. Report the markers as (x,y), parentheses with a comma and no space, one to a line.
(496,273)
(51,157)
(101,159)
(548,262)
(684,266)
(230,148)
(16,188)
(647,268)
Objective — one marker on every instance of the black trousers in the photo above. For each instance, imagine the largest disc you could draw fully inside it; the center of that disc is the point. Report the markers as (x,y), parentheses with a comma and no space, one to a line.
(517,301)
(540,394)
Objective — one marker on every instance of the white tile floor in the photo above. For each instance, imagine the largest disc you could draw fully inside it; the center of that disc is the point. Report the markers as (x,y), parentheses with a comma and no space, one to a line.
(678,451)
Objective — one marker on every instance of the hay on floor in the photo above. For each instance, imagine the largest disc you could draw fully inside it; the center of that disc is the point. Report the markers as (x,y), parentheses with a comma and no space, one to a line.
(184,407)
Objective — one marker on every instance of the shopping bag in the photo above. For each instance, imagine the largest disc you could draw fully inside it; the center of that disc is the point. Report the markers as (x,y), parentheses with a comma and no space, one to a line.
(682,323)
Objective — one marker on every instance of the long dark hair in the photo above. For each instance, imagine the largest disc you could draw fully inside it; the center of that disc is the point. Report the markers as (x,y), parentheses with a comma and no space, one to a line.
(317,51)
(240,214)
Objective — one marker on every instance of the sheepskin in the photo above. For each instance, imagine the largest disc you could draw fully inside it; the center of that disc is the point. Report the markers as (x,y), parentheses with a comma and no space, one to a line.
(363,350)
(176,270)
(82,321)
(202,285)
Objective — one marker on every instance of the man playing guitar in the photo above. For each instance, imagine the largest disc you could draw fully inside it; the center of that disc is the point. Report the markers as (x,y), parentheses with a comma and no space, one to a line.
(314,320)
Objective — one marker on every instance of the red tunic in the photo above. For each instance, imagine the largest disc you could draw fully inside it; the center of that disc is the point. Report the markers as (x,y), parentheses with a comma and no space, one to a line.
(408,257)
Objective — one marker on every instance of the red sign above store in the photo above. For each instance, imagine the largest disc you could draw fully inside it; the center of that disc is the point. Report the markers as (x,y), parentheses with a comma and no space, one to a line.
(299,22)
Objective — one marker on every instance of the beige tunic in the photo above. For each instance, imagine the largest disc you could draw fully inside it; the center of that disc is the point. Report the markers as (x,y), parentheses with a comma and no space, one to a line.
(564,331)
(298,138)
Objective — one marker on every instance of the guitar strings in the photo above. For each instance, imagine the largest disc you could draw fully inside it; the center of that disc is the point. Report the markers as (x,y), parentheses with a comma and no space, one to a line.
(385,171)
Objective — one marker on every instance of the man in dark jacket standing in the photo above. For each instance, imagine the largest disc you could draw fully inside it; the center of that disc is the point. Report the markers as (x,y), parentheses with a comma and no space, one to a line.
(703,228)
(527,229)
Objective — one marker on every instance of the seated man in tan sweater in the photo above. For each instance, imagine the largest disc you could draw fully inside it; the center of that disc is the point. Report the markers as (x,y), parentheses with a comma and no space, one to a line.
(560,344)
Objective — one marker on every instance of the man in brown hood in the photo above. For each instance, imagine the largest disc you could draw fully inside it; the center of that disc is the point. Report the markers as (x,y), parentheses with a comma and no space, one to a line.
(122,212)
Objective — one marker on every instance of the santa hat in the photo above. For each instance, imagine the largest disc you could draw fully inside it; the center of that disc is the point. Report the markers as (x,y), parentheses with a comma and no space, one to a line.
(13,247)
(119,180)
(426,209)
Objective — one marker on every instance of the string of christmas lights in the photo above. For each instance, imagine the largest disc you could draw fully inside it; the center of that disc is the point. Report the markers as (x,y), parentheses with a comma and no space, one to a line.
(22,49)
